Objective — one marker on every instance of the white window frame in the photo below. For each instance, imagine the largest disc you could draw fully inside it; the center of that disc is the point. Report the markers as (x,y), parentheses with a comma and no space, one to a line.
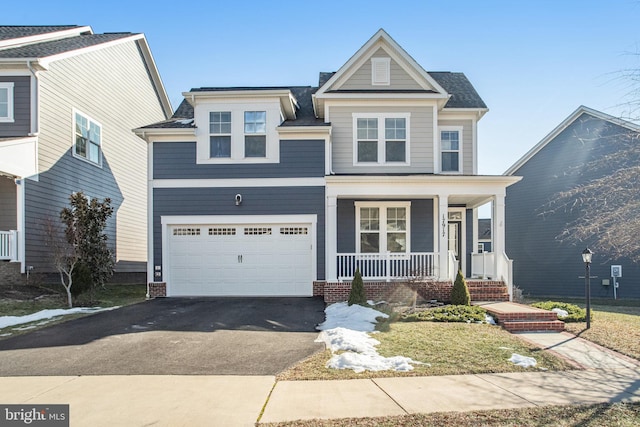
(460,150)
(382,161)
(8,86)
(250,134)
(220,133)
(73,149)
(382,209)
(380,71)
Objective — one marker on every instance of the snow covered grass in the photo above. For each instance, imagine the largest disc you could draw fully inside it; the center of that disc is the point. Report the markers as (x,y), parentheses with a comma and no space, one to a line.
(411,348)
(18,316)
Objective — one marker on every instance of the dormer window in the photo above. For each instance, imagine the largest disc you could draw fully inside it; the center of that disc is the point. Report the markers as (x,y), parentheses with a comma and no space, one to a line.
(220,134)
(255,133)
(380,71)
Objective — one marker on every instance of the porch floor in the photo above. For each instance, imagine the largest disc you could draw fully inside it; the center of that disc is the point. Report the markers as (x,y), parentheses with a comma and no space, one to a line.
(522,318)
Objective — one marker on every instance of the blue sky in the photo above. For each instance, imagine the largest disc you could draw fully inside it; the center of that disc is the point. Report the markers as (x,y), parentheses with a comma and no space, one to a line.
(533,62)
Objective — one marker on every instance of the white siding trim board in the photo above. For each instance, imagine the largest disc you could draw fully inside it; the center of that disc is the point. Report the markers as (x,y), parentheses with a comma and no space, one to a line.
(239,182)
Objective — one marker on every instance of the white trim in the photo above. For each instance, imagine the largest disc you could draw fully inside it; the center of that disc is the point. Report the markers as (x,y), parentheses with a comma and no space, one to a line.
(20,217)
(462,237)
(562,126)
(9,87)
(150,223)
(381,142)
(460,150)
(238,182)
(382,230)
(75,112)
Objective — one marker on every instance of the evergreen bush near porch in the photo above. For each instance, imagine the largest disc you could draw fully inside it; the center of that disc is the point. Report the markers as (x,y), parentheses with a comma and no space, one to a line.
(460,292)
(357,294)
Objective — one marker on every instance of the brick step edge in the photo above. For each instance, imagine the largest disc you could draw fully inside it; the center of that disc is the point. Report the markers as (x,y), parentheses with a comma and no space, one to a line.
(525,317)
(489,289)
(528,326)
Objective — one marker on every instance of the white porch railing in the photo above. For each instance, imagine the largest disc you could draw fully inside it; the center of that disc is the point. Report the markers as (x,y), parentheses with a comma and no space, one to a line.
(483,265)
(9,245)
(387,266)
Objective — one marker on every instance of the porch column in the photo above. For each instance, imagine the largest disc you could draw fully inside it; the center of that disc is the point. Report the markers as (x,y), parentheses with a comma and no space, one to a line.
(498,233)
(331,239)
(20,222)
(443,236)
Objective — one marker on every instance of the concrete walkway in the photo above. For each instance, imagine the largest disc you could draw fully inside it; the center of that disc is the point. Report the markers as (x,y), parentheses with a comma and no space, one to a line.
(238,401)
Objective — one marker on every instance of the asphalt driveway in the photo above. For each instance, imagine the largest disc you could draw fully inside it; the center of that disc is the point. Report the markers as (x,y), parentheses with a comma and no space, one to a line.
(173,336)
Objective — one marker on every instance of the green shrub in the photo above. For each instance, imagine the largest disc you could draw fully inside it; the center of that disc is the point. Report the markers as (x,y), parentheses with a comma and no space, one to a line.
(460,292)
(357,294)
(81,279)
(449,313)
(576,314)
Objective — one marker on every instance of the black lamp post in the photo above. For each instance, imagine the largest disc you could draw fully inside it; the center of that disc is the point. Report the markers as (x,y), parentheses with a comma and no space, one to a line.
(586,257)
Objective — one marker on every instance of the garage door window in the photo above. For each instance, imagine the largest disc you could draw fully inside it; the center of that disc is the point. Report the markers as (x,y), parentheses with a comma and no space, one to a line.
(294,230)
(257,231)
(186,231)
(222,231)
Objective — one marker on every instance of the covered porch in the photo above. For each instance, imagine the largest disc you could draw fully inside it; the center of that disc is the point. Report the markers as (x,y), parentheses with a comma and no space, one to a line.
(18,160)
(415,227)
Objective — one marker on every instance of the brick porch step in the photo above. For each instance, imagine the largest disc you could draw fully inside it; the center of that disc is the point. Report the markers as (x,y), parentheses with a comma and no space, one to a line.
(520,318)
(487,290)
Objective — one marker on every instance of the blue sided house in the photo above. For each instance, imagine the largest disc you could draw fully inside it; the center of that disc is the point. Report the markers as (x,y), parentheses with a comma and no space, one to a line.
(283,191)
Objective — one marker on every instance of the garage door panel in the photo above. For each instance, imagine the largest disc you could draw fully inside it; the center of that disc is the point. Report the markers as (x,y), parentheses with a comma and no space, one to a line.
(248,259)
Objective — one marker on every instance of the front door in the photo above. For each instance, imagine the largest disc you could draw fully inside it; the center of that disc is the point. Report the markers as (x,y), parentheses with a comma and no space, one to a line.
(456,235)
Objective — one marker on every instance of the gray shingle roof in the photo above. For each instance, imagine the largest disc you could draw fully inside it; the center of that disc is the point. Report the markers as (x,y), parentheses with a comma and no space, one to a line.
(463,94)
(50,48)
(305,116)
(17,31)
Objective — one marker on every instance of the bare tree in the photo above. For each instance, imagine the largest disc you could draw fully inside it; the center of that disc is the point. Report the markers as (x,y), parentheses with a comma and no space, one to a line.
(607,200)
(64,255)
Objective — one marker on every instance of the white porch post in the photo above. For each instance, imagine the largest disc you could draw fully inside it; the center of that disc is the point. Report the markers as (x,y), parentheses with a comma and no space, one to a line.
(331,239)
(20,222)
(498,233)
(443,237)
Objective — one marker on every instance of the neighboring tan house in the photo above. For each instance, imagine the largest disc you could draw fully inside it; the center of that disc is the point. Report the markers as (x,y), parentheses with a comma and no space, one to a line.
(68,101)
(544,264)
(287,190)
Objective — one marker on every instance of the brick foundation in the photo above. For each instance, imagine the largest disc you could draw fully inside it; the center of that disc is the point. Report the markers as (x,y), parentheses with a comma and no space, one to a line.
(384,291)
(157,289)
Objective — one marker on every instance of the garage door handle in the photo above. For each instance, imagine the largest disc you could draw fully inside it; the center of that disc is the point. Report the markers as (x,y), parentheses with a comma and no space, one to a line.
(240,259)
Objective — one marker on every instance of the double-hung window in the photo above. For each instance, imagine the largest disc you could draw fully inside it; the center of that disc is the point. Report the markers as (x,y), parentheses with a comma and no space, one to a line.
(382,227)
(219,134)
(451,150)
(6,102)
(255,134)
(88,138)
(381,139)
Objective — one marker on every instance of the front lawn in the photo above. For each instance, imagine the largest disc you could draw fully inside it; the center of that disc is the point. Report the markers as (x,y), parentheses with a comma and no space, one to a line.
(449,348)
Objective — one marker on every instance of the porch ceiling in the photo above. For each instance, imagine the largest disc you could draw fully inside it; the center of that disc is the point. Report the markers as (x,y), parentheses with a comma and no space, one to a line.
(18,157)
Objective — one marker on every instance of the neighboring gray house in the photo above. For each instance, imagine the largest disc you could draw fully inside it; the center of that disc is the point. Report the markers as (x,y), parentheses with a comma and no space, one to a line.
(543,264)
(68,101)
(287,190)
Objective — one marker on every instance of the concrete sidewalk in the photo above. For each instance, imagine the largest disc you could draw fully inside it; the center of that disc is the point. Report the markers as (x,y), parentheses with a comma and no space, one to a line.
(239,400)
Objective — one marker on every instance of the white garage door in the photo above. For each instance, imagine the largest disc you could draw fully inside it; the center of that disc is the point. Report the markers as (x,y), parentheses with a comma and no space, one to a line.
(240,260)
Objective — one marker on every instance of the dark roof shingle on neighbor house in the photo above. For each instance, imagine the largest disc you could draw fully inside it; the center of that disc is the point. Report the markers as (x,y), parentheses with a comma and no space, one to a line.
(55,47)
(8,32)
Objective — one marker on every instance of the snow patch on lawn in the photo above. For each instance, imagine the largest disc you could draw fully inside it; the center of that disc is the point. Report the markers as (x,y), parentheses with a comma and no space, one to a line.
(346,329)
(46,316)
(523,361)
